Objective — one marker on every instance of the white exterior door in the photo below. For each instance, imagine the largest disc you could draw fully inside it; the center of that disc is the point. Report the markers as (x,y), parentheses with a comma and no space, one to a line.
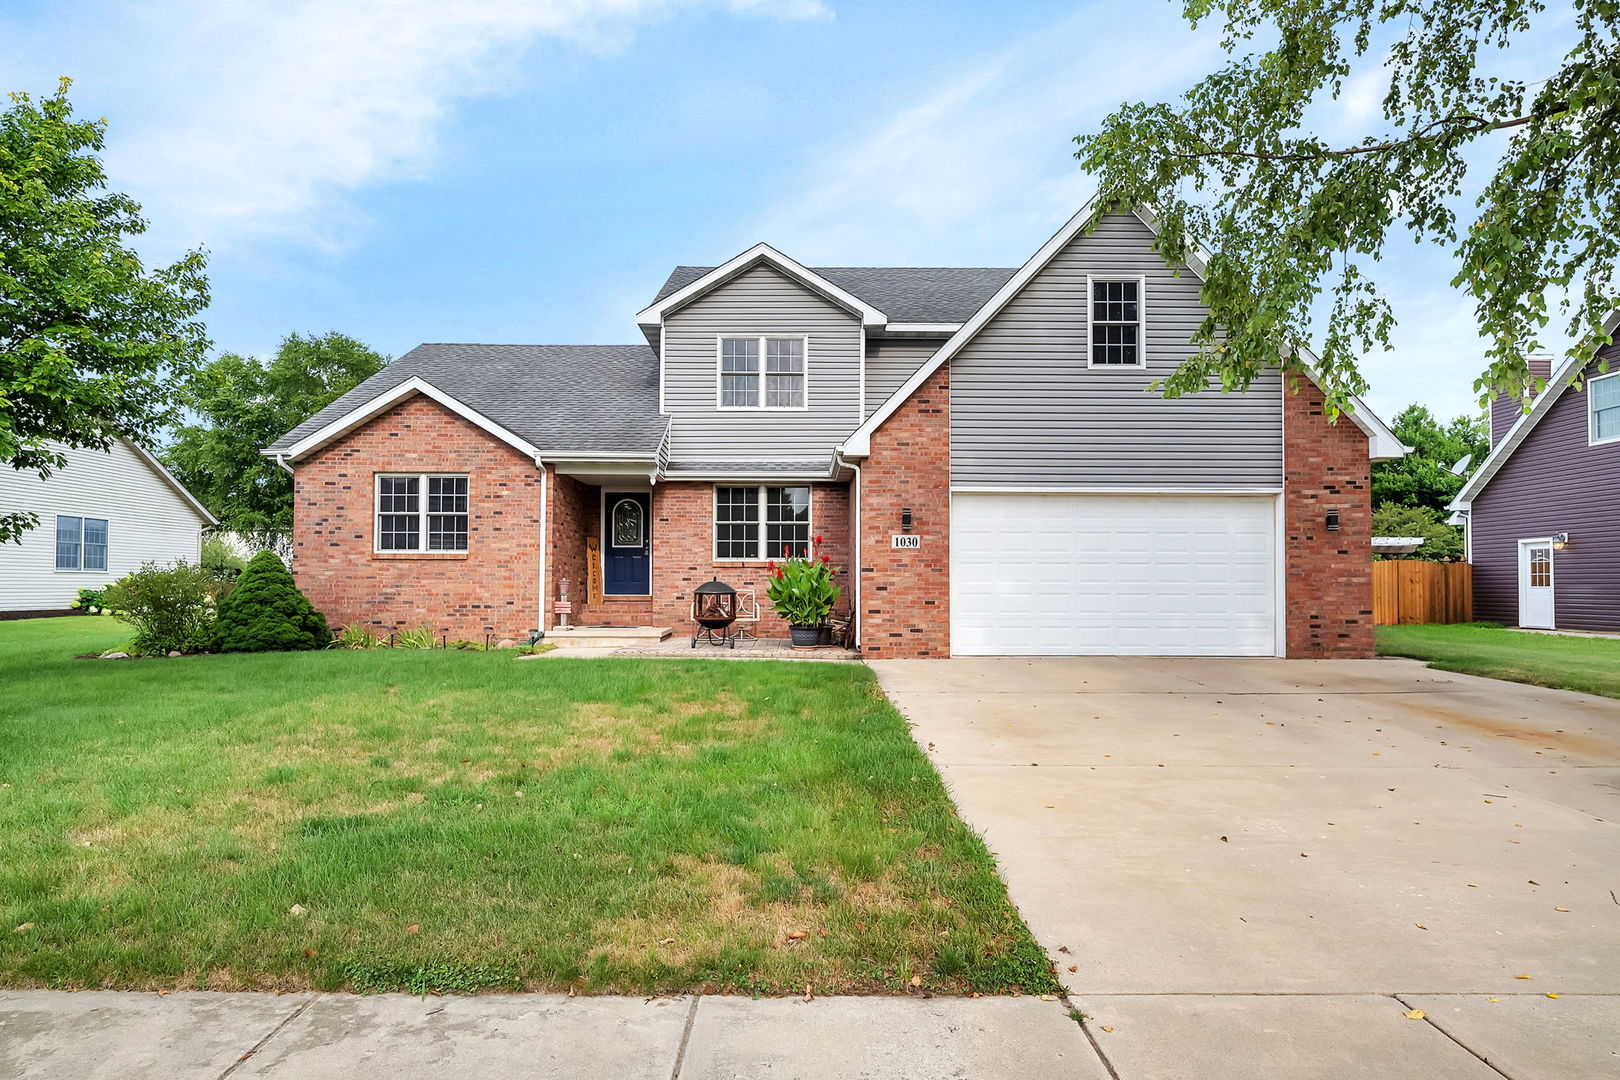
(1146,575)
(1536,584)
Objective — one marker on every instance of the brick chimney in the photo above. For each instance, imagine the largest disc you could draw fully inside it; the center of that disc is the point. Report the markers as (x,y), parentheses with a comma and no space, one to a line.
(1507,408)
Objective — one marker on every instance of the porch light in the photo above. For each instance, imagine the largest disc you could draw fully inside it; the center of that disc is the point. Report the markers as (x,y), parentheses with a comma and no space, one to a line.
(905,519)
(1561,541)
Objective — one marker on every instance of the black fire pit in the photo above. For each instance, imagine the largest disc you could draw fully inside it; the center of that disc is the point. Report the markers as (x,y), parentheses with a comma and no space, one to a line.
(714,609)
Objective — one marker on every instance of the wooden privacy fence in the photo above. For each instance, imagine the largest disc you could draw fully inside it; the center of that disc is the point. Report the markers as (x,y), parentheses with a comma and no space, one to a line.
(1407,591)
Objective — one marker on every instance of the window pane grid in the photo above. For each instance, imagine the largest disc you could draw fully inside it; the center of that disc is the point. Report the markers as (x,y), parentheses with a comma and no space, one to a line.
(408,521)
(95,544)
(69,533)
(1605,408)
(1115,323)
(762,372)
(744,515)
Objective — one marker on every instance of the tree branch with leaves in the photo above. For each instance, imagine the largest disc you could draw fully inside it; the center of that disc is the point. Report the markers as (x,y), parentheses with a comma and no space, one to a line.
(1292,220)
(92,342)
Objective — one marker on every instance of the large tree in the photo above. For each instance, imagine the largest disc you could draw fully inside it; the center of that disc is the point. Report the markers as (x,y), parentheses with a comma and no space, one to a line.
(91,340)
(1424,477)
(1292,217)
(241,405)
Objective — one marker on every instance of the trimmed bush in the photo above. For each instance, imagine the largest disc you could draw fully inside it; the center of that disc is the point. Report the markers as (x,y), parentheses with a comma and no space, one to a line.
(267,613)
(170,607)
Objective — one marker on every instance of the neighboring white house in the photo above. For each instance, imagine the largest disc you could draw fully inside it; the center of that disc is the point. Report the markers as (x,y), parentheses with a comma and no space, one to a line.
(101,516)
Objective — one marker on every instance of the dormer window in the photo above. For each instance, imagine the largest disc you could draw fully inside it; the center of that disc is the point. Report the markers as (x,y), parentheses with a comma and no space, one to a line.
(762,373)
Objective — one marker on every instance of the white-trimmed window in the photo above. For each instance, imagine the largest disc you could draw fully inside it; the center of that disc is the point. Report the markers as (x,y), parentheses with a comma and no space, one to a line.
(1603,408)
(81,543)
(422,512)
(761,522)
(1116,311)
(762,373)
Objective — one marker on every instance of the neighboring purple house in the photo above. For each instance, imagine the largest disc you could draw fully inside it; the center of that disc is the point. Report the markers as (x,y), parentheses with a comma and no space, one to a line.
(1542,511)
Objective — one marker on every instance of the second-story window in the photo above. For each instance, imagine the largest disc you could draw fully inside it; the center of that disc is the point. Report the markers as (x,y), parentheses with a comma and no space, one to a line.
(1115,322)
(762,373)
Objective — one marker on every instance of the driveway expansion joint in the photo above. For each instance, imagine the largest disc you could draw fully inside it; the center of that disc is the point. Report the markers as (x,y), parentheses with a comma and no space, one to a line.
(262,1043)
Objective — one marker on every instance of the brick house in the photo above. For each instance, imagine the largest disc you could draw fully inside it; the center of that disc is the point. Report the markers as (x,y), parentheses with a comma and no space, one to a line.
(976,447)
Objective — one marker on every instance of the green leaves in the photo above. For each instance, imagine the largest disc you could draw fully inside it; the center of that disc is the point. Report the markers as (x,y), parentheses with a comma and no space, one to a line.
(243,405)
(91,342)
(1293,219)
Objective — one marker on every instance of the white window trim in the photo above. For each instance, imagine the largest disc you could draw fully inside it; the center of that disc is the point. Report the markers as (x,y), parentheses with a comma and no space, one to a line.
(1141,320)
(714,520)
(719,372)
(1591,413)
(81,568)
(421,514)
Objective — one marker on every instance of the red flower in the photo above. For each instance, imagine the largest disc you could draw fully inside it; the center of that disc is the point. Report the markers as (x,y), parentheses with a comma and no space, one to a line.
(787,551)
(770,565)
(826,558)
(818,539)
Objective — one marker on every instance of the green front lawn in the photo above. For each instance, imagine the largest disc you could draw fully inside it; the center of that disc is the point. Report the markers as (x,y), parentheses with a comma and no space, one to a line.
(463,820)
(1591,665)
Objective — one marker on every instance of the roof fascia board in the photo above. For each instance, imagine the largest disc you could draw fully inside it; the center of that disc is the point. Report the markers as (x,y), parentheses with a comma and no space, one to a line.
(1557,383)
(386,400)
(1382,442)
(653,315)
(164,474)
(859,444)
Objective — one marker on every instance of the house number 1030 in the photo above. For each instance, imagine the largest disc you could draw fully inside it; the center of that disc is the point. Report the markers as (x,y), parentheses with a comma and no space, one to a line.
(907,541)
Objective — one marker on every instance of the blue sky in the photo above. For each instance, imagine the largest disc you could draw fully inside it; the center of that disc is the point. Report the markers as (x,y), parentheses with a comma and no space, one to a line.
(529,170)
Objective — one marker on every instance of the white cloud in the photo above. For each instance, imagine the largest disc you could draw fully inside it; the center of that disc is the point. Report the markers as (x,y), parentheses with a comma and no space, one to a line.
(981,165)
(240,118)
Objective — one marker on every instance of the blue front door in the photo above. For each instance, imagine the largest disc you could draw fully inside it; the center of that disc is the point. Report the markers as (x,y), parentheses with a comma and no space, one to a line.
(627,554)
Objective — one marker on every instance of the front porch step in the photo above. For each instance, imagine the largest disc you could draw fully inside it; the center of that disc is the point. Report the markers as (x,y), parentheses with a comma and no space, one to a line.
(607,637)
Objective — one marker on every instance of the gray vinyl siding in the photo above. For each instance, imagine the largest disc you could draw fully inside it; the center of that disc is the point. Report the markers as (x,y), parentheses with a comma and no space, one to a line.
(890,362)
(1025,408)
(760,301)
(1554,482)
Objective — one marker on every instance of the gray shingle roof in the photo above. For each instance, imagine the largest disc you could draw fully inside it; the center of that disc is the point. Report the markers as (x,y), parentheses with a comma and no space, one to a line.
(903,293)
(561,398)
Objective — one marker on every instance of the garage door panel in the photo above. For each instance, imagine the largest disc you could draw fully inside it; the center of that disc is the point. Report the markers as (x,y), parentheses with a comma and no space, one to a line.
(1150,575)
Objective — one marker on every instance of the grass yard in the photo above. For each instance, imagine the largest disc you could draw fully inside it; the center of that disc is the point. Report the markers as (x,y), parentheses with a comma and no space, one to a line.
(461,821)
(1591,665)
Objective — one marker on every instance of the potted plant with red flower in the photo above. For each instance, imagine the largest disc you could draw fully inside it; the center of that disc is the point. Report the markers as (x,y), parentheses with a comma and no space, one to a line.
(803,592)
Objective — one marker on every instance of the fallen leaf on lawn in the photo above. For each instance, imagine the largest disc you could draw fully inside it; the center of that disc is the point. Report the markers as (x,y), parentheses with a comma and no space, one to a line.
(1074,967)
(793,935)
(163,993)
(808,996)
(671,941)
(572,992)
(309,952)
(1415,1014)
(414,928)
(1552,995)
(298,910)
(1524,976)
(1560,909)
(1105,1027)
(24,927)
(916,980)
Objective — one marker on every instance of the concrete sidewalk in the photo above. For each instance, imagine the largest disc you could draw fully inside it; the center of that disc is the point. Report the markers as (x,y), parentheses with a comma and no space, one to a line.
(93,1035)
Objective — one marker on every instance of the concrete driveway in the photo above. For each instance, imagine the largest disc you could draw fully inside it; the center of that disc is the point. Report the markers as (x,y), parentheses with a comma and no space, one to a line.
(1260,867)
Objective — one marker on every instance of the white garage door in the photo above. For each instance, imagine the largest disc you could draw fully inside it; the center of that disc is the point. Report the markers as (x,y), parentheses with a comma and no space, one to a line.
(1145,575)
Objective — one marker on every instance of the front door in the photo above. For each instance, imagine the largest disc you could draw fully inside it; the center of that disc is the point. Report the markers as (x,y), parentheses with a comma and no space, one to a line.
(627,554)
(1536,584)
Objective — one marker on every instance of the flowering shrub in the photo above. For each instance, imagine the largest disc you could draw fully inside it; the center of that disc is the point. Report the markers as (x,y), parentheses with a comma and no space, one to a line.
(170,607)
(801,588)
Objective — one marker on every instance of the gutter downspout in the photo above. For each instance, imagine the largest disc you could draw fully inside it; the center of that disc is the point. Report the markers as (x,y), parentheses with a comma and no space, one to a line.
(545,545)
(856,523)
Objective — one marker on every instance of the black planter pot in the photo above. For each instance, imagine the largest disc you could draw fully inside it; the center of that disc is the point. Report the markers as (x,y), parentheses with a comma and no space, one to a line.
(805,636)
